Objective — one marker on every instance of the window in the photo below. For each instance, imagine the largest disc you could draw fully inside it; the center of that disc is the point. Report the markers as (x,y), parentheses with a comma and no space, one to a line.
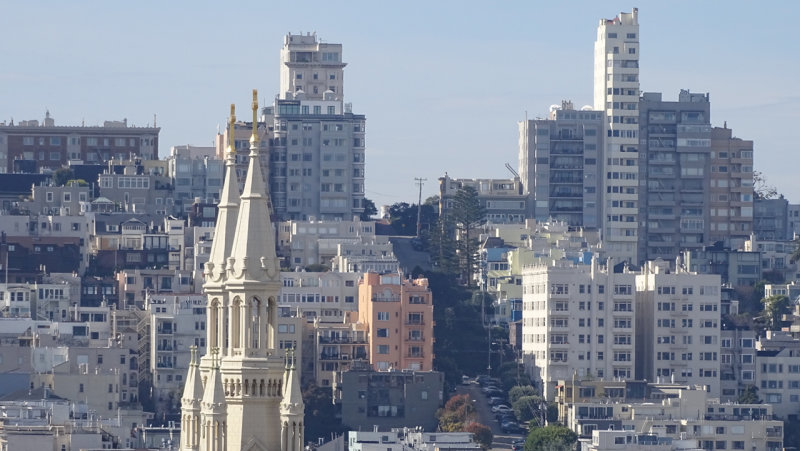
(383,349)
(383,332)
(383,316)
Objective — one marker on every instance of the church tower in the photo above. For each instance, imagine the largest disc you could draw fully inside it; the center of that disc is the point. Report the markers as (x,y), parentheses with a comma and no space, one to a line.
(243,404)
(251,369)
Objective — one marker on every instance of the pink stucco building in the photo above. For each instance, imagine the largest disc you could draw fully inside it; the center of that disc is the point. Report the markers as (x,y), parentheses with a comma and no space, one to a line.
(398,314)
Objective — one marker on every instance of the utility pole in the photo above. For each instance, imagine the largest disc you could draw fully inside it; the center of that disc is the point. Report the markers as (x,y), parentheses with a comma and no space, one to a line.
(420,182)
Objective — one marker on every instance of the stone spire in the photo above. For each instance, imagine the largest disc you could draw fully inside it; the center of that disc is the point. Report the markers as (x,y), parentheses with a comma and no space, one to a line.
(214,409)
(253,256)
(292,409)
(228,212)
(190,405)
(214,393)
(193,390)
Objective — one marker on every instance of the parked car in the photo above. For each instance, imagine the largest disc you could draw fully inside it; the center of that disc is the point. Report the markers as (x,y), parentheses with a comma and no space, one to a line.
(495,400)
(501,408)
(495,392)
(511,427)
(505,417)
(517,445)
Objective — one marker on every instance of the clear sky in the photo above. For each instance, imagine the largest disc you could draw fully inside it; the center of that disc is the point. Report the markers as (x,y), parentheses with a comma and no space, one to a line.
(442,83)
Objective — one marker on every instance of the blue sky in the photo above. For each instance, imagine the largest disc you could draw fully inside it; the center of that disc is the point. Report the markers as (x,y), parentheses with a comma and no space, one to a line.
(443,84)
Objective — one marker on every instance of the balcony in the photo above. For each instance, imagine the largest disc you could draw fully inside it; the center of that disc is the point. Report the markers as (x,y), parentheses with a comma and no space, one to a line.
(342,340)
(415,355)
(414,322)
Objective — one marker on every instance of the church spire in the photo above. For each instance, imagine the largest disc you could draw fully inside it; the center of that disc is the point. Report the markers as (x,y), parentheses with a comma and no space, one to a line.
(228,211)
(190,405)
(253,255)
(292,408)
(214,409)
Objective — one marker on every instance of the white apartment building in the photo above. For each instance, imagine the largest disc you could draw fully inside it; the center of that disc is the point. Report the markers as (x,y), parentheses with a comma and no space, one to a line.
(375,256)
(683,413)
(317,242)
(577,320)
(177,322)
(737,365)
(324,295)
(318,149)
(586,320)
(677,326)
(616,92)
(778,373)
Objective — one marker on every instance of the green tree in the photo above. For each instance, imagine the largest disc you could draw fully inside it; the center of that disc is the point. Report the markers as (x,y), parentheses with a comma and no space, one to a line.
(320,415)
(551,438)
(749,396)
(775,306)
(483,435)
(62,176)
(527,408)
(467,216)
(522,390)
(403,217)
(369,209)
(461,341)
(796,253)
(443,246)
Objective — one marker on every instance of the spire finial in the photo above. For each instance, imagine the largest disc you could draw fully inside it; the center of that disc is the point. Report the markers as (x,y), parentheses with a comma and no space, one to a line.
(231,121)
(254,136)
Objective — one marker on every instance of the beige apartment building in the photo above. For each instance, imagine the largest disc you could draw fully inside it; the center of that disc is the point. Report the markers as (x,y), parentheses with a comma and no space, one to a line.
(731,187)
(398,313)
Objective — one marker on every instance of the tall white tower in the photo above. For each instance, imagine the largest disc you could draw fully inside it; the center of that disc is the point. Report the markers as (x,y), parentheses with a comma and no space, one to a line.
(616,92)
(244,403)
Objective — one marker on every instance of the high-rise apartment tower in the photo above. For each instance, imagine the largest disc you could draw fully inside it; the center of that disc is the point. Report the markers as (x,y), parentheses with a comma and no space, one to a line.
(616,91)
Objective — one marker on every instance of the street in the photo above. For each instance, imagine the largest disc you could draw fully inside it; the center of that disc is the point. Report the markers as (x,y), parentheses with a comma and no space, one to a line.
(486,417)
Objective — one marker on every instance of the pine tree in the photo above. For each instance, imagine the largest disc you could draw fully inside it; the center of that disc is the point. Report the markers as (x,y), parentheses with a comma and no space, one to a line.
(468,216)
(443,245)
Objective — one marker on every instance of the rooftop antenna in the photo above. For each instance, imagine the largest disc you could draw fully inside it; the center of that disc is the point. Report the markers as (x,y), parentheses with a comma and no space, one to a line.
(154,120)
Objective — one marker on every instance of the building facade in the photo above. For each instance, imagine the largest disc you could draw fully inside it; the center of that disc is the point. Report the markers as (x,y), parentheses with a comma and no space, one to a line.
(398,314)
(675,150)
(50,147)
(317,152)
(561,164)
(616,92)
(731,188)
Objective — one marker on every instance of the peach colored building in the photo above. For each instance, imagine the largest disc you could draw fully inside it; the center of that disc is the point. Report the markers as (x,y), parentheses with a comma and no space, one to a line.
(398,314)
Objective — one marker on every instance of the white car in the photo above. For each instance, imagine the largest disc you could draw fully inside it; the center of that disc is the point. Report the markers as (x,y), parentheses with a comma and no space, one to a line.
(501,408)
